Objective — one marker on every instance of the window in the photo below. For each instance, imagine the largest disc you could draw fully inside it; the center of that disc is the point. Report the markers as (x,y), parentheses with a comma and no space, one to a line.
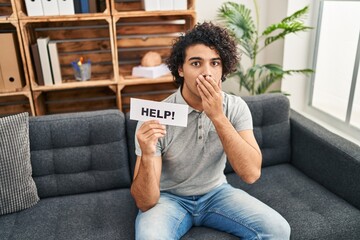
(335,93)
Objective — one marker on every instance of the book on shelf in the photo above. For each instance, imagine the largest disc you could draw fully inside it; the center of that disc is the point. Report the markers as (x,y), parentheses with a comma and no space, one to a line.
(84,6)
(11,68)
(54,62)
(93,6)
(45,60)
(37,64)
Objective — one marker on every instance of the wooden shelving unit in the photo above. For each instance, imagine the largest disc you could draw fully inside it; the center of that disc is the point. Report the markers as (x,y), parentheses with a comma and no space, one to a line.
(18,100)
(114,39)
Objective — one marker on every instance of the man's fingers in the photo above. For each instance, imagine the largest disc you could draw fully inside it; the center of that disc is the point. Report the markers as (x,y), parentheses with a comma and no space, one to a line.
(151,129)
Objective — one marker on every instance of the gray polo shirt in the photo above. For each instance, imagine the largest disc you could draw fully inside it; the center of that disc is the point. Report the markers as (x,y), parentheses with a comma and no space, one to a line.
(193,158)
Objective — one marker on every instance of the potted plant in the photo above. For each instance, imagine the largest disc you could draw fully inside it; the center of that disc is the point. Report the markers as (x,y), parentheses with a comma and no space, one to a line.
(237,18)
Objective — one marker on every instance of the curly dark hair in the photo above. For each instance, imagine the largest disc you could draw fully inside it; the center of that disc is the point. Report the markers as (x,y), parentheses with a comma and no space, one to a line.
(210,35)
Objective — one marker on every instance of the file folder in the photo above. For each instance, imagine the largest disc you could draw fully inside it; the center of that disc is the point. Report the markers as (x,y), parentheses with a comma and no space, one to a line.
(34,8)
(180,4)
(10,65)
(50,7)
(166,5)
(151,5)
(66,7)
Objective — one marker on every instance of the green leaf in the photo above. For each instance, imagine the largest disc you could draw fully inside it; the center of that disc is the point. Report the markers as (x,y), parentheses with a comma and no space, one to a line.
(291,24)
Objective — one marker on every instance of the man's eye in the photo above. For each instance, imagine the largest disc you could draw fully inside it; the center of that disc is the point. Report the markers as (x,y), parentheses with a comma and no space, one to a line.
(195,64)
(216,63)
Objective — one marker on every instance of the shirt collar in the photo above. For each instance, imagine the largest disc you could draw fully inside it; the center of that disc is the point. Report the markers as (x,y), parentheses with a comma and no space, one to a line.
(180,100)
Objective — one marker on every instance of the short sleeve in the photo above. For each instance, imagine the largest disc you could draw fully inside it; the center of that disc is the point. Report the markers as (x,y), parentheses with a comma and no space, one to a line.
(239,113)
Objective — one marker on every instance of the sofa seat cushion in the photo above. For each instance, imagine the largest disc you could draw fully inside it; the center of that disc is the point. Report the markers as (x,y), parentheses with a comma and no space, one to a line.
(312,211)
(97,215)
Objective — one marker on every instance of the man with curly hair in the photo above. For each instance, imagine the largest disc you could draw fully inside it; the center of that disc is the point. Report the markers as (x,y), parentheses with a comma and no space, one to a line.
(179,179)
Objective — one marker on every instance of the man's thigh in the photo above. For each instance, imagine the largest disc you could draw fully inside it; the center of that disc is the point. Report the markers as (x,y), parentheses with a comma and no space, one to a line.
(234,211)
(166,220)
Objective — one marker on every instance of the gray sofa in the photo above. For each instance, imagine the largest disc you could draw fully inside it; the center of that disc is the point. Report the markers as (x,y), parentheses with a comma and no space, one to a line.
(82,166)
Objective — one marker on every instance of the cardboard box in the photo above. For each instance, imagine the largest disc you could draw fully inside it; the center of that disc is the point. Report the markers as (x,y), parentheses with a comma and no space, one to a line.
(150,72)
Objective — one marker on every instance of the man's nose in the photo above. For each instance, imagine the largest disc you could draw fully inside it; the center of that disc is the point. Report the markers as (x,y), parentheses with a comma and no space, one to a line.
(206,71)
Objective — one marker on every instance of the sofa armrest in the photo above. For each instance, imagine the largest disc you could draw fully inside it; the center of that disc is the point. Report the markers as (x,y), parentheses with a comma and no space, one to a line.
(329,159)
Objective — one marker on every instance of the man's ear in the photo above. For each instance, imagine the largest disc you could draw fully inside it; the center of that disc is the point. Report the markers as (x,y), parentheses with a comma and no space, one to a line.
(181,72)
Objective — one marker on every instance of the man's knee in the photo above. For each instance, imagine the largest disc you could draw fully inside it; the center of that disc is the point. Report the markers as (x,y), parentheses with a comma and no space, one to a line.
(149,229)
(279,229)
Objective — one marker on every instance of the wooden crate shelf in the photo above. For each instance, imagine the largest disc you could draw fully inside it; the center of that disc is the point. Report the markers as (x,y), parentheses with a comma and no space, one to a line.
(13,103)
(135,36)
(114,39)
(90,38)
(7,10)
(20,99)
(75,100)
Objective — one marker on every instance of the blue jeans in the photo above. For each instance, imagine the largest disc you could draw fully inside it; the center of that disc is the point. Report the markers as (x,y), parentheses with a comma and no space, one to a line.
(226,209)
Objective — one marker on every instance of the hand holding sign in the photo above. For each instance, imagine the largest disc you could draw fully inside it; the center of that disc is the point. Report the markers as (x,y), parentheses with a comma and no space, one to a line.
(165,113)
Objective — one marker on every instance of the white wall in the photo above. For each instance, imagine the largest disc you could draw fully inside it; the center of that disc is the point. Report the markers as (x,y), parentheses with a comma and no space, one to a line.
(269,13)
(298,53)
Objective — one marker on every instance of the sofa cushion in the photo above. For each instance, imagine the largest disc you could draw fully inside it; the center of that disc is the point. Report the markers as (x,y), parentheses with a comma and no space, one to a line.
(79,152)
(312,211)
(270,113)
(17,188)
(103,215)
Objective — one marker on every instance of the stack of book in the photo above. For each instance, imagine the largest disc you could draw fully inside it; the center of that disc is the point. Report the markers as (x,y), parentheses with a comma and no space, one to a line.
(46,61)
(62,7)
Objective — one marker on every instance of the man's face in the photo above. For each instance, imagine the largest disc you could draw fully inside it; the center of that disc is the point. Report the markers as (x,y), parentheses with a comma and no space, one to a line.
(200,60)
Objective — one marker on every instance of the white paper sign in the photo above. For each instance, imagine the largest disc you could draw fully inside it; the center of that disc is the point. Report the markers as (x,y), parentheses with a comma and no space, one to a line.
(166,113)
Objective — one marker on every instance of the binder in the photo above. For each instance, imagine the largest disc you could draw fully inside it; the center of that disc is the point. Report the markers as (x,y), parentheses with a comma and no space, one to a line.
(166,5)
(66,7)
(77,6)
(54,61)
(34,7)
(50,7)
(45,61)
(180,4)
(93,6)
(36,62)
(84,6)
(151,5)
(11,71)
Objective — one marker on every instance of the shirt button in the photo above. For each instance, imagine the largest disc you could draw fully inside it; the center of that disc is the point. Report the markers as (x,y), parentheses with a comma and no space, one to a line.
(200,127)
(200,137)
